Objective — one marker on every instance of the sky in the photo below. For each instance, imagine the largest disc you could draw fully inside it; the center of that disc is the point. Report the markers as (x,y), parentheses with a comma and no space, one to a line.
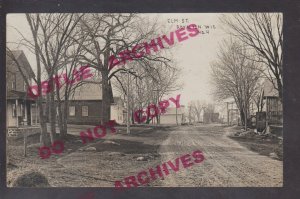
(193,55)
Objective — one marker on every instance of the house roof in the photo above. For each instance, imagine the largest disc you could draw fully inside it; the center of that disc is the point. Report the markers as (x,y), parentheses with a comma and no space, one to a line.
(22,60)
(172,111)
(88,91)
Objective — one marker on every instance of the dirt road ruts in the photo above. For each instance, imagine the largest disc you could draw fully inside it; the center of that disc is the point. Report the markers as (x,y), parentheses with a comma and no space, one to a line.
(226,164)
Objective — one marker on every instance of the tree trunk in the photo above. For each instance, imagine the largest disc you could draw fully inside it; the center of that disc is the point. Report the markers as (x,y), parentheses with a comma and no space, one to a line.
(245,112)
(60,115)
(279,85)
(132,116)
(65,117)
(242,115)
(60,120)
(61,107)
(42,123)
(106,92)
(34,31)
(47,107)
(52,111)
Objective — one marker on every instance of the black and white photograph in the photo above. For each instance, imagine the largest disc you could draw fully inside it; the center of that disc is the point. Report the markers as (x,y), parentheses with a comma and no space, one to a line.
(129,100)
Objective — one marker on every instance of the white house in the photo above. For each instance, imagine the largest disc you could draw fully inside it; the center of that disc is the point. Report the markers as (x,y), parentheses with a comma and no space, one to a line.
(171,114)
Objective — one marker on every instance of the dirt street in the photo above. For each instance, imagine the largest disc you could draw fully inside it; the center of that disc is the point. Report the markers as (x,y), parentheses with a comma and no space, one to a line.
(226,163)
(101,162)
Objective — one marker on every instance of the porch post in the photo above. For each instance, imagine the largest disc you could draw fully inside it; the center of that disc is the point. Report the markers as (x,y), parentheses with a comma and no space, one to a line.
(17,112)
(25,106)
(36,111)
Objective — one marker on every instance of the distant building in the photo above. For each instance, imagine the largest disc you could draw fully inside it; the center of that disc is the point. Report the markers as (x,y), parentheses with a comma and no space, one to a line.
(234,116)
(210,117)
(170,116)
(118,110)
(19,109)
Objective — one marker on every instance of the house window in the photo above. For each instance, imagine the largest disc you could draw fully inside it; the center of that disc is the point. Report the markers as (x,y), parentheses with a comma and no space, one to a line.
(85,111)
(14,110)
(72,111)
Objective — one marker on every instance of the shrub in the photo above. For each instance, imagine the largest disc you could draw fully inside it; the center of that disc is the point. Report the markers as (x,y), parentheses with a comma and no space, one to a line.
(31,179)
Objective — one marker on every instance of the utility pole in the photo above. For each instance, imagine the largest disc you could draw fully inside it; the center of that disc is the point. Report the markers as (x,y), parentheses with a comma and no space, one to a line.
(245,112)
(267,111)
(128,111)
(157,99)
(127,101)
(176,117)
(127,91)
(189,108)
(36,113)
(158,116)
(227,114)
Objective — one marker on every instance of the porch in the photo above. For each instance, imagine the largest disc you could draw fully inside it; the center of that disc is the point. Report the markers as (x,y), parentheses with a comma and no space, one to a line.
(22,114)
(22,130)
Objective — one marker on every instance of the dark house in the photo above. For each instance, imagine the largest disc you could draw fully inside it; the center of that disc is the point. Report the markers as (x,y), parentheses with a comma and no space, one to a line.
(271,115)
(85,104)
(210,117)
(273,105)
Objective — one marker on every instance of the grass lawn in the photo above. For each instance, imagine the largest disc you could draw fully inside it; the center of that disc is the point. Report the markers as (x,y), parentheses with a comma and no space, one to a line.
(262,144)
(95,164)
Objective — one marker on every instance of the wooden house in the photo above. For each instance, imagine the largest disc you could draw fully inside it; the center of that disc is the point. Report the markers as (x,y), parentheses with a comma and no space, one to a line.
(273,105)
(172,115)
(18,105)
(85,105)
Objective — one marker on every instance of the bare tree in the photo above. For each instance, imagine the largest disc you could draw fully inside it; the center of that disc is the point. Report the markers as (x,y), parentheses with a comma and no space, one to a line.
(35,27)
(263,32)
(148,86)
(66,91)
(66,69)
(234,76)
(198,107)
(209,111)
(191,113)
(258,97)
(108,35)
(53,39)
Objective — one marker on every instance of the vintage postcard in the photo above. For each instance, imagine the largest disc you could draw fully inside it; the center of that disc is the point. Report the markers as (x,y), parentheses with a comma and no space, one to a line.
(129,100)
